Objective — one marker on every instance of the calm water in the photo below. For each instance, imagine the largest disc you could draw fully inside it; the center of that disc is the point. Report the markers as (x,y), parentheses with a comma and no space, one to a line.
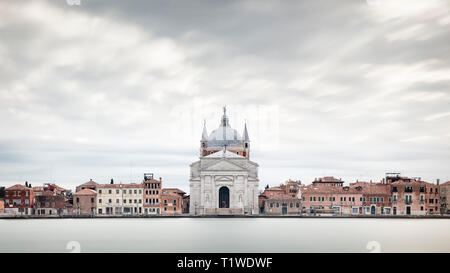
(225,235)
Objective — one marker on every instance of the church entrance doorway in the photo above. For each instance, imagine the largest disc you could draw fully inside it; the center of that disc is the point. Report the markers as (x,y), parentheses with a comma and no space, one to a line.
(224,197)
(284,208)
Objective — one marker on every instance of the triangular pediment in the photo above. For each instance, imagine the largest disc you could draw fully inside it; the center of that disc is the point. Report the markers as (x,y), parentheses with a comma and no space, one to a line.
(224,165)
(223,178)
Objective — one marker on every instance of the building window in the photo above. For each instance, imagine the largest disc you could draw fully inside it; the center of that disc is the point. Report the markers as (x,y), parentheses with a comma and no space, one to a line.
(109,191)
(117,191)
(100,191)
(117,201)
(100,201)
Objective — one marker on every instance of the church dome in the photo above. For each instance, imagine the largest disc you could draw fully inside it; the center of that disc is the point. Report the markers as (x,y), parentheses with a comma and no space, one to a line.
(224,133)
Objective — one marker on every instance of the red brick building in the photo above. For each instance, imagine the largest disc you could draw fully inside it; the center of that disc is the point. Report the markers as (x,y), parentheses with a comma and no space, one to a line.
(172,201)
(88,185)
(283,199)
(19,199)
(411,196)
(84,202)
(152,194)
(444,192)
(394,195)
(333,198)
(377,197)
(52,199)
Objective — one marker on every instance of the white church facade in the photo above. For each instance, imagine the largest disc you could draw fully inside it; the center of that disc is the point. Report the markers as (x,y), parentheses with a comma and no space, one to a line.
(224,180)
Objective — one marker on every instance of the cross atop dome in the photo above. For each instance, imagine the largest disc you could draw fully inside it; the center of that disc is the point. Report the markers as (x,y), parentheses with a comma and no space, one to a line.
(225,122)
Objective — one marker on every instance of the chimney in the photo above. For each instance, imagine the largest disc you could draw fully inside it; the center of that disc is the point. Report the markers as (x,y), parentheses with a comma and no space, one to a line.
(90,180)
(383,181)
(160,180)
(437,181)
(112,181)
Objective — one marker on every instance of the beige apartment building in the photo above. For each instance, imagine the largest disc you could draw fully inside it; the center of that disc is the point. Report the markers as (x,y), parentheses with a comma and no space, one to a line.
(119,199)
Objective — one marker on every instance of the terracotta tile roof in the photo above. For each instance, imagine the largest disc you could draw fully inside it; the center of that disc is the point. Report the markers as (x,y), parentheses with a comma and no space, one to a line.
(274,189)
(86,192)
(373,188)
(89,183)
(38,188)
(18,187)
(413,182)
(330,179)
(151,181)
(326,189)
(58,188)
(445,184)
(172,191)
(106,186)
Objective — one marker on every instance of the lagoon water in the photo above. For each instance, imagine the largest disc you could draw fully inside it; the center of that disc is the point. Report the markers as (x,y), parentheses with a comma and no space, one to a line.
(225,235)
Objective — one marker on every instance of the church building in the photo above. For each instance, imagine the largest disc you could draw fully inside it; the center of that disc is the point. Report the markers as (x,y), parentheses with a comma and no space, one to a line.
(224,180)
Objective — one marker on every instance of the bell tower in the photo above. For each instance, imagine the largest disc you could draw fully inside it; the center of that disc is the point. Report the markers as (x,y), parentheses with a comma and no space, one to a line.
(246,140)
(204,140)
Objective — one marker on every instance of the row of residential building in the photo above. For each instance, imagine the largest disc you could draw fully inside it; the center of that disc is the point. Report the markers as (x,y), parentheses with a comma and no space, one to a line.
(92,198)
(393,195)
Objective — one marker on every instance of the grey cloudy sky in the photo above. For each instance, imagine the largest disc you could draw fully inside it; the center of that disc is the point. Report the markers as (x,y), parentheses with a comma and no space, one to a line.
(113,89)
